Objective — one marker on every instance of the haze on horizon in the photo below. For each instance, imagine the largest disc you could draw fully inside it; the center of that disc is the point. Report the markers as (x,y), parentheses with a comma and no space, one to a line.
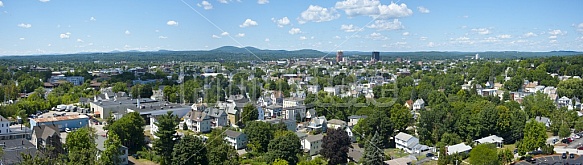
(61,27)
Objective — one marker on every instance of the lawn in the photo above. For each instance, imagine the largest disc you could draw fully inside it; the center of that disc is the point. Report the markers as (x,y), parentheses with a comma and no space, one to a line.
(395,153)
(509,146)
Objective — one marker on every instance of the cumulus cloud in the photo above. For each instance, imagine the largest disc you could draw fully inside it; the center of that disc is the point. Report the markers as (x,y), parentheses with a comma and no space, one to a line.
(172,23)
(530,34)
(552,37)
(316,13)
(92,19)
(482,31)
(65,35)
(580,27)
(205,5)
(21,38)
(336,37)
(266,39)
(422,38)
(303,38)
(405,33)
(80,40)
(281,22)
(262,1)
(44,0)
(241,35)
(248,23)
(1,4)
(430,44)
(223,1)
(225,33)
(504,36)
(422,9)
(215,36)
(557,32)
(294,31)
(386,25)
(350,28)
(162,37)
(24,25)
(553,41)
(377,36)
(373,8)
(128,32)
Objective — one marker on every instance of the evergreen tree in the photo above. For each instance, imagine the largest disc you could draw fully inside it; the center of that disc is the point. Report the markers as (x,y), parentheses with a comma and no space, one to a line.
(189,150)
(166,133)
(373,154)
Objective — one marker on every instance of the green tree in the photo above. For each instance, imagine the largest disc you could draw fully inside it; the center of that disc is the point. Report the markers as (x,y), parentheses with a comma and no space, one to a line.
(373,154)
(401,117)
(280,162)
(564,131)
(110,156)
(259,133)
(81,147)
(166,133)
(220,152)
(189,150)
(335,146)
(120,87)
(538,104)
(130,130)
(534,136)
(285,147)
(249,113)
(505,156)
(109,121)
(514,84)
(484,154)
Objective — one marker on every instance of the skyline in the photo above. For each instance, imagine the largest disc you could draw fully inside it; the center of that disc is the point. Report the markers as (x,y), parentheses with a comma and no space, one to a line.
(61,27)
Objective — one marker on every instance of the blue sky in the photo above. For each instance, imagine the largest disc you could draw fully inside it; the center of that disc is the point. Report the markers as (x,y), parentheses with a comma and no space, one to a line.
(70,26)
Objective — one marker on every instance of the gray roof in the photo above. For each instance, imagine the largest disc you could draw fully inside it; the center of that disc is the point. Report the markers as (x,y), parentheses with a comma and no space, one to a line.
(337,122)
(45,131)
(357,117)
(403,136)
(301,135)
(314,138)
(490,139)
(458,148)
(3,119)
(197,116)
(233,134)
(355,154)
(13,149)
(213,112)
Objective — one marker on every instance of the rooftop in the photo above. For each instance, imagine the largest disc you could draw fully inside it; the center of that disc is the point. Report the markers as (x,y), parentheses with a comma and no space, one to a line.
(60,118)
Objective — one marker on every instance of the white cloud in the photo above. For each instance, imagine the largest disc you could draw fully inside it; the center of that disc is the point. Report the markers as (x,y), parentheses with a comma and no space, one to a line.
(373,8)
(241,35)
(386,25)
(225,33)
(504,36)
(294,31)
(172,23)
(223,1)
(262,1)
(282,22)
(557,32)
(422,38)
(552,37)
(303,38)
(80,40)
(205,5)
(405,33)
(215,36)
(65,35)
(49,45)
(350,28)
(466,16)
(377,36)
(1,4)
(316,13)
(423,9)
(248,23)
(336,37)
(482,31)
(530,34)
(553,41)
(128,32)
(266,39)
(430,44)
(92,19)
(580,27)
(24,25)
(21,39)
(44,0)
(162,37)
(490,39)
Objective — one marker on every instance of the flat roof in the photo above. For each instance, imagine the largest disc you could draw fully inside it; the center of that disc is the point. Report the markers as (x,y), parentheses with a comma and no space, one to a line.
(60,118)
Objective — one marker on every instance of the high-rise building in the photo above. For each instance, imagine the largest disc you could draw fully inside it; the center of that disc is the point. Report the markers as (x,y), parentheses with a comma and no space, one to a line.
(376,56)
(477,56)
(339,55)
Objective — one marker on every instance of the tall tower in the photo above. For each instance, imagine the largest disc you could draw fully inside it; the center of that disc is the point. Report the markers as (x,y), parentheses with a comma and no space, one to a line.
(339,55)
(477,56)
(376,56)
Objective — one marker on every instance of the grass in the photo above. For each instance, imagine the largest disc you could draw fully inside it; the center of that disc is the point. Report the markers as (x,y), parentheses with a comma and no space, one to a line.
(395,153)
(509,146)
(432,162)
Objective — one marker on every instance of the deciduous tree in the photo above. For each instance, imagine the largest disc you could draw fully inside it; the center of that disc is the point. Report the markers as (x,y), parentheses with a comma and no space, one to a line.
(189,150)
(335,146)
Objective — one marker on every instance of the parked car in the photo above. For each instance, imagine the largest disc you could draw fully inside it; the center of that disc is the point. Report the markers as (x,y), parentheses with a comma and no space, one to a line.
(571,156)
(429,155)
(580,148)
(564,156)
(530,159)
(67,130)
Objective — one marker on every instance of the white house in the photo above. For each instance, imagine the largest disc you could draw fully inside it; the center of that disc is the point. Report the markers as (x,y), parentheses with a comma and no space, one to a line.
(318,123)
(198,121)
(4,125)
(458,148)
(218,117)
(408,143)
(419,104)
(332,90)
(236,139)
(353,119)
(498,141)
(336,124)
(292,102)
(313,144)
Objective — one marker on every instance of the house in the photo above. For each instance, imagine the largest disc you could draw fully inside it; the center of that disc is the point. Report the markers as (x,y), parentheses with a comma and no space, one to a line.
(45,135)
(318,124)
(332,90)
(198,121)
(498,141)
(218,117)
(123,157)
(236,139)
(290,125)
(564,102)
(544,120)
(336,124)
(409,104)
(292,102)
(13,150)
(312,144)
(418,105)
(409,143)
(277,97)
(458,148)
(4,125)
(310,113)
(350,134)
(353,119)
(273,111)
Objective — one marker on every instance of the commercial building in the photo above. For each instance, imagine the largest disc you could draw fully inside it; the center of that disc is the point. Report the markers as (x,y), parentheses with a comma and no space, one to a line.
(339,56)
(376,56)
(62,122)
